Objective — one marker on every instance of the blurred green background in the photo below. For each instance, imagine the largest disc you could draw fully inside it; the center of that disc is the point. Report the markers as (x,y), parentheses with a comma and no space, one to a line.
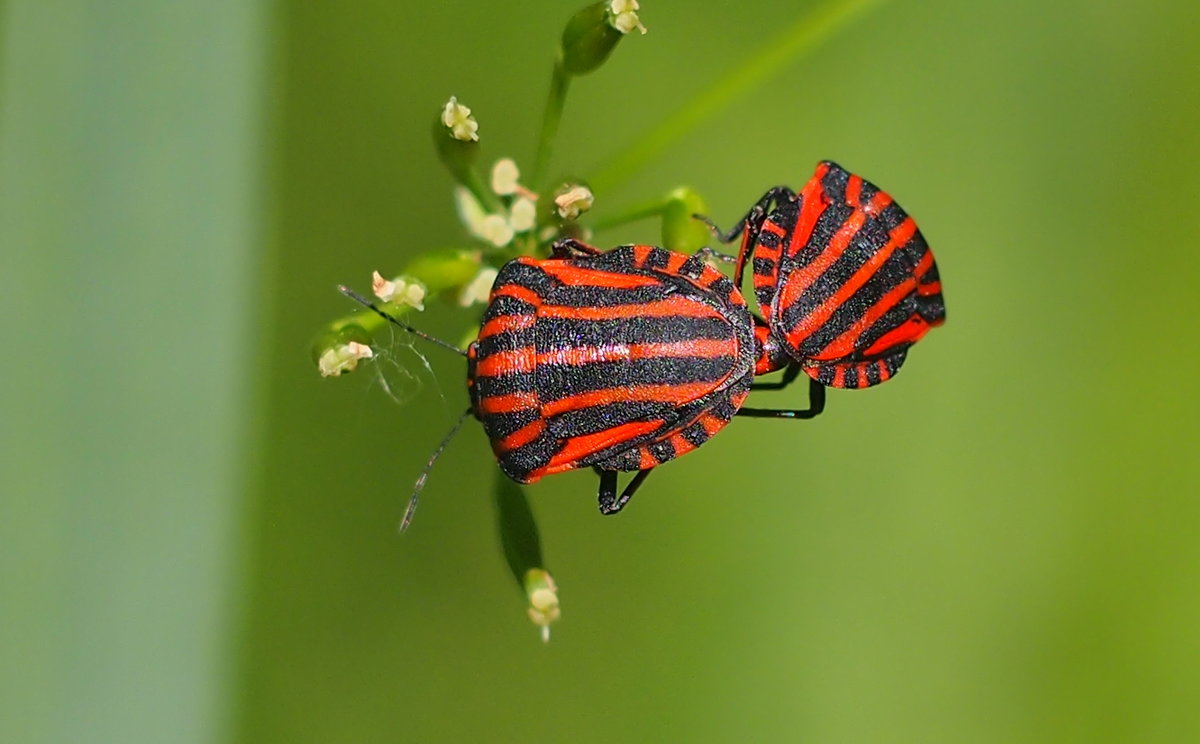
(199,534)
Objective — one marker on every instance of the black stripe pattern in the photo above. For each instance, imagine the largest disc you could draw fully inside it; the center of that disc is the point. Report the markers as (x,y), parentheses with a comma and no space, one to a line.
(555,392)
(813,324)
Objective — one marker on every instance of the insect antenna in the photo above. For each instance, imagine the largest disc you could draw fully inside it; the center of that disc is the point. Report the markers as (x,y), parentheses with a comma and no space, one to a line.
(420,484)
(392,319)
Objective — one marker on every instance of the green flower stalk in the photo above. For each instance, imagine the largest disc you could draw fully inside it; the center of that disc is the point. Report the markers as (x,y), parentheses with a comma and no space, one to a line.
(522,547)
(456,138)
(589,37)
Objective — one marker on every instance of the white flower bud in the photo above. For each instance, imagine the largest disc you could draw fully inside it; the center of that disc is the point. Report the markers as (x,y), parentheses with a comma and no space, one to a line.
(459,121)
(496,230)
(523,216)
(401,290)
(504,177)
(623,16)
(470,211)
(338,359)
(574,201)
(479,289)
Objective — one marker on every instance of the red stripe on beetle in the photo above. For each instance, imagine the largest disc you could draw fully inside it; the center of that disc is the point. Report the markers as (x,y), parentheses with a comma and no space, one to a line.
(518,292)
(521,437)
(577,448)
(675,305)
(817,317)
(844,344)
(802,279)
(509,403)
(506,363)
(670,394)
(507,323)
(577,276)
(577,355)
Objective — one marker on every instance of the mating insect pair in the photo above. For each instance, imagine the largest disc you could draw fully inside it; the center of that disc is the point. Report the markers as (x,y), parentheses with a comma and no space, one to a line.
(624,359)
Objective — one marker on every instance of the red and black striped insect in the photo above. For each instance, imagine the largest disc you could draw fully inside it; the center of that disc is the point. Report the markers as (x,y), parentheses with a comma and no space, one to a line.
(618,360)
(844,277)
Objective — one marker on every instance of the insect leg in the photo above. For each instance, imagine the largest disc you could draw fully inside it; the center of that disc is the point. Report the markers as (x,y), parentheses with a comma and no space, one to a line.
(754,218)
(609,503)
(816,404)
(567,247)
(790,373)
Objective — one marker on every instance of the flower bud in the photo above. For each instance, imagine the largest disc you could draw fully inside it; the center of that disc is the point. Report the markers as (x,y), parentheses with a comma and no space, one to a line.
(543,600)
(339,351)
(681,231)
(401,290)
(573,200)
(623,16)
(479,289)
(457,118)
(523,215)
(505,175)
(588,39)
(493,228)
(456,139)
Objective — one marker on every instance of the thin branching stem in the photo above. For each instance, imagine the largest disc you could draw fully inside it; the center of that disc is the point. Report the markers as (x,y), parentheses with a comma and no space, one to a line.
(560,82)
(800,38)
(644,210)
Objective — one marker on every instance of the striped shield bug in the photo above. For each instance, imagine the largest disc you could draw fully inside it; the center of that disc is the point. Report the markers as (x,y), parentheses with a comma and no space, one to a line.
(617,360)
(844,277)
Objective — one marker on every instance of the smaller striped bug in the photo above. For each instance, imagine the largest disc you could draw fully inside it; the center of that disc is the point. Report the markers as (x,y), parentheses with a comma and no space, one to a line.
(844,277)
(617,360)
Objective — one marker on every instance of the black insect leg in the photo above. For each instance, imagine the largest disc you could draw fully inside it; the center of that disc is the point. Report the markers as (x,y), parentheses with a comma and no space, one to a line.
(709,255)
(567,247)
(816,404)
(609,503)
(750,225)
(789,376)
(754,218)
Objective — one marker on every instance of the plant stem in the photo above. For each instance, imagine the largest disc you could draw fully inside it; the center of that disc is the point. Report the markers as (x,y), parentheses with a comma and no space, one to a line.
(560,81)
(802,37)
(484,195)
(644,210)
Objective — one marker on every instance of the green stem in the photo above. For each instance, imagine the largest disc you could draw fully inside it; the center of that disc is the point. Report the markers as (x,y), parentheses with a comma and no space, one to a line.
(483,194)
(518,530)
(644,210)
(560,81)
(802,37)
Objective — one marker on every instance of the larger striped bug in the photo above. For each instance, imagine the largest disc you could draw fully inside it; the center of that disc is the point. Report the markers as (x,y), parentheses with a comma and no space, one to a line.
(844,277)
(618,360)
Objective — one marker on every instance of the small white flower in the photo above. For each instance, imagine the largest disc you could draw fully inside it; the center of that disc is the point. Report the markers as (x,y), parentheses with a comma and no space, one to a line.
(479,289)
(338,359)
(574,201)
(523,215)
(543,606)
(504,177)
(493,228)
(459,121)
(496,230)
(623,16)
(402,290)
(470,211)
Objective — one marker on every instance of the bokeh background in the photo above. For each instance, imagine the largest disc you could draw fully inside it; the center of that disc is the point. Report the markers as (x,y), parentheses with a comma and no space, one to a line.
(199,534)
